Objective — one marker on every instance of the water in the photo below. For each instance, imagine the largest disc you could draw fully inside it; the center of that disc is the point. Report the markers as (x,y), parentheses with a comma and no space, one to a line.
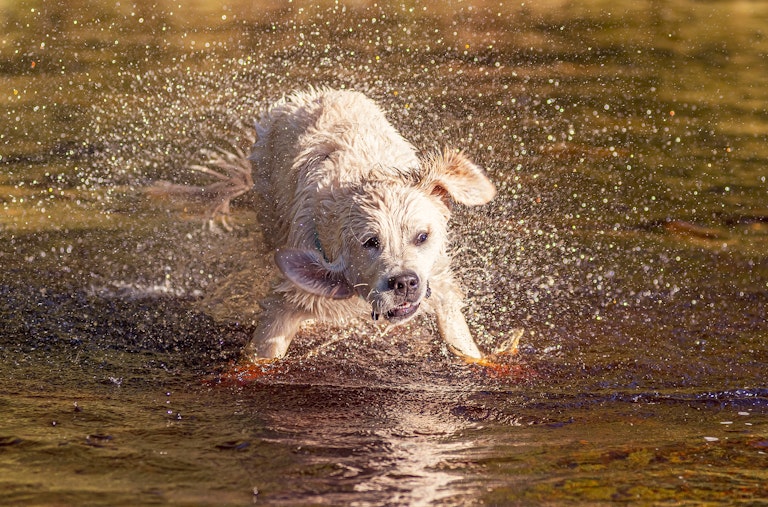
(628,143)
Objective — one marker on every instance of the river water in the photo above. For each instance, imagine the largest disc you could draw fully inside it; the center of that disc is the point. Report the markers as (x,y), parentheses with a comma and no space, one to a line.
(629,143)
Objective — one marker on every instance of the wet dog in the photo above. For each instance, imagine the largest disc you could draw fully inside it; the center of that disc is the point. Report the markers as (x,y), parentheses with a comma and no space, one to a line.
(358,221)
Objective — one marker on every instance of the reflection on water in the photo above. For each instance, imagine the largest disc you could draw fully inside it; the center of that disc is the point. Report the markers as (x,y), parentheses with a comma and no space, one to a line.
(376,450)
(628,142)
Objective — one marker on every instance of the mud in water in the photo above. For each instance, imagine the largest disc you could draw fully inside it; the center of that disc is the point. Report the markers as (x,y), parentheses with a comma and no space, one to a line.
(628,241)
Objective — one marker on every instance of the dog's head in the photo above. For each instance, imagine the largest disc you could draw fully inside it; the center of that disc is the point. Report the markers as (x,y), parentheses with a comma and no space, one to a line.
(386,238)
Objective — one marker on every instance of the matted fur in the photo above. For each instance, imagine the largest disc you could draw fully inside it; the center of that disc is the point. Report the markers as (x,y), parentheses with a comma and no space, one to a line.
(358,221)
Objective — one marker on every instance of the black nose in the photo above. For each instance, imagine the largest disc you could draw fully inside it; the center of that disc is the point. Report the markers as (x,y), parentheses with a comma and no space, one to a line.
(404,284)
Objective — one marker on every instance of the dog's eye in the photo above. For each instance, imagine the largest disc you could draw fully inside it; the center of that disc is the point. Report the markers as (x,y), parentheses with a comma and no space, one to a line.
(371,243)
(421,238)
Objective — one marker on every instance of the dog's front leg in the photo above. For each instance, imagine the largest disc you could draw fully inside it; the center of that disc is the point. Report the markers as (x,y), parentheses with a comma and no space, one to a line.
(277,326)
(451,322)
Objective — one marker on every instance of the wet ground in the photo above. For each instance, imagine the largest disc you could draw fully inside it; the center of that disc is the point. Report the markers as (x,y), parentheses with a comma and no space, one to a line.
(629,240)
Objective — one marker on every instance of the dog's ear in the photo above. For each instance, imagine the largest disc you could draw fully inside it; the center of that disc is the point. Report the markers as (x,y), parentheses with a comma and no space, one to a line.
(309,272)
(453,177)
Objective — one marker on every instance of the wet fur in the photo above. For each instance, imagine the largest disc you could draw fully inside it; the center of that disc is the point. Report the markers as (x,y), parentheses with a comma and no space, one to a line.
(336,179)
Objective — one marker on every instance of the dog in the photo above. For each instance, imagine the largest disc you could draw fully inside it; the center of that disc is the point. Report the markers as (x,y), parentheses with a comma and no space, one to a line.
(357,219)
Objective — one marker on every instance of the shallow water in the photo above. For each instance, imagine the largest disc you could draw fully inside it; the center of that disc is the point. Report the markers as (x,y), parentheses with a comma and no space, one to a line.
(629,240)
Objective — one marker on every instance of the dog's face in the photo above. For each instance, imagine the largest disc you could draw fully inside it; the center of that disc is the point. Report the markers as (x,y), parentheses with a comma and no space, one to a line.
(386,238)
(393,236)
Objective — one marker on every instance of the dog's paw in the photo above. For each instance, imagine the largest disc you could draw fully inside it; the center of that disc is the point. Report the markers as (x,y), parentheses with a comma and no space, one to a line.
(499,364)
(244,372)
(507,348)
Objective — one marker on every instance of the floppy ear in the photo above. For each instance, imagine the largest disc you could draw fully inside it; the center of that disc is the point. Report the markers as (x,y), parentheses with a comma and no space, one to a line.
(310,273)
(453,177)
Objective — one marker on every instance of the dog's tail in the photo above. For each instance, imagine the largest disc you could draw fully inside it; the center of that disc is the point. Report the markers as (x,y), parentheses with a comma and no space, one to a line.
(231,171)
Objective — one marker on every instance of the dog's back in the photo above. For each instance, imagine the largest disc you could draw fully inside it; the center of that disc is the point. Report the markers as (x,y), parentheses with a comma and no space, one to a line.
(299,133)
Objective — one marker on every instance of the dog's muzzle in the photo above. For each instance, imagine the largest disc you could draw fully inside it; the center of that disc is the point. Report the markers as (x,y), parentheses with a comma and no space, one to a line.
(404,287)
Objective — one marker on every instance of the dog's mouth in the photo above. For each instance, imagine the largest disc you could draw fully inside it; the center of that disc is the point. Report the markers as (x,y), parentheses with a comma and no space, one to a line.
(398,313)
(402,311)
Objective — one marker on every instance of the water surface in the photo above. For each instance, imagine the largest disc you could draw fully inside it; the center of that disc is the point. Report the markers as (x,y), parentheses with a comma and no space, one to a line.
(629,240)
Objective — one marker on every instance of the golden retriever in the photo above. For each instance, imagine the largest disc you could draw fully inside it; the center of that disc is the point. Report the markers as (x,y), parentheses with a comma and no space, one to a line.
(358,220)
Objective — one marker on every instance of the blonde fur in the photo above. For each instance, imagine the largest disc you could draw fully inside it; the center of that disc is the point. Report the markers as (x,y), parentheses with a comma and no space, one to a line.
(358,221)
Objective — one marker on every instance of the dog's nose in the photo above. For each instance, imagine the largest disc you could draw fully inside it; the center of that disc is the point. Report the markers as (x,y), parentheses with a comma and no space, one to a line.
(404,284)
